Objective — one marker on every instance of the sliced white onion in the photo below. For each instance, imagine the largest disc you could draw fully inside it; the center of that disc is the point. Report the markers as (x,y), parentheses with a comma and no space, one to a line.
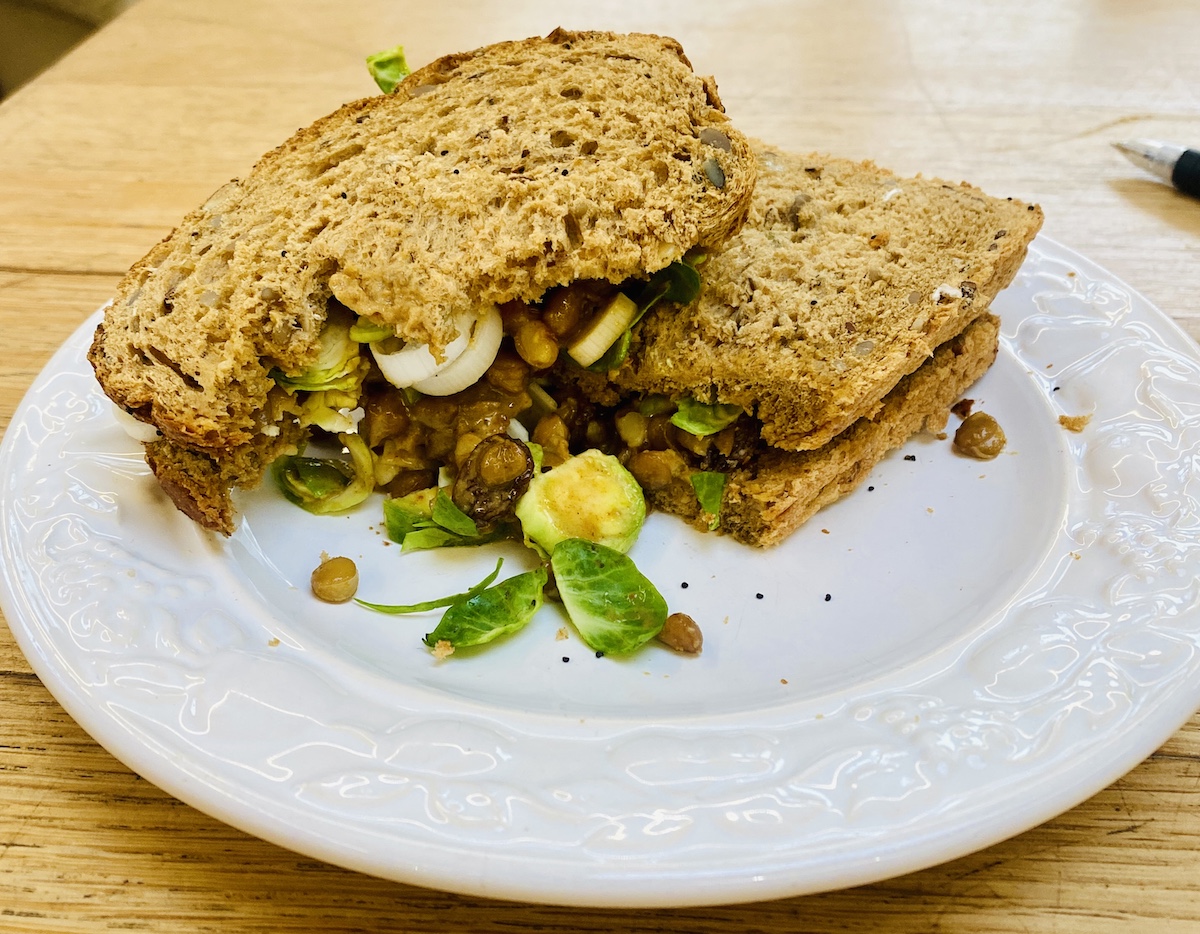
(603,332)
(414,362)
(134,427)
(472,363)
(517,430)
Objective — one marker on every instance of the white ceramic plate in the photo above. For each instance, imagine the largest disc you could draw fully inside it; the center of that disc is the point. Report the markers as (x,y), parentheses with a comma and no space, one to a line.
(939,661)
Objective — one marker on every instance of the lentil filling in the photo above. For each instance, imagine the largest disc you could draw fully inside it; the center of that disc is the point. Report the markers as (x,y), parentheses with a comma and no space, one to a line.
(480,436)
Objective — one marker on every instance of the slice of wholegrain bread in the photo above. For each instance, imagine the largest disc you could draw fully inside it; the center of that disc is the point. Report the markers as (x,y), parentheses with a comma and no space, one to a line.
(843,281)
(770,498)
(487,176)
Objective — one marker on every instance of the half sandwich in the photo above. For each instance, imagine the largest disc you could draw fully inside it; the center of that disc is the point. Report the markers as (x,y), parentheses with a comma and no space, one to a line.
(528,175)
(847,315)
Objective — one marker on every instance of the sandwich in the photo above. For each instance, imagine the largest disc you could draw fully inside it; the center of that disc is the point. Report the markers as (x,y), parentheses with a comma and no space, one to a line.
(555,245)
(396,275)
(849,313)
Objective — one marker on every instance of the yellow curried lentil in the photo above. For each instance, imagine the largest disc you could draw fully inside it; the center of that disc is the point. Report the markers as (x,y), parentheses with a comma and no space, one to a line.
(980,436)
(681,633)
(335,580)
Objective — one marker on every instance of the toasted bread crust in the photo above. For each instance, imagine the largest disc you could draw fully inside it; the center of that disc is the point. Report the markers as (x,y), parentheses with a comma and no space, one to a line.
(194,484)
(765,502)
(201,486)
(844,280)
(487,176)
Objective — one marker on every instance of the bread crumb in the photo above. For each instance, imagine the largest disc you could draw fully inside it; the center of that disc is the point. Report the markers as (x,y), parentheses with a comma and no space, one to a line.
(272,642)
(561,634)
(443,649)
(1074,422)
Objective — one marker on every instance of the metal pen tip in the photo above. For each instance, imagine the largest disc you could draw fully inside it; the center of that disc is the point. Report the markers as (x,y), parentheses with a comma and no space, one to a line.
(1153,156)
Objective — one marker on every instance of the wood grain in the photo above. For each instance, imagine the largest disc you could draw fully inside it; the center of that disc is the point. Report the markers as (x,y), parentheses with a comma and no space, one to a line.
(103,153)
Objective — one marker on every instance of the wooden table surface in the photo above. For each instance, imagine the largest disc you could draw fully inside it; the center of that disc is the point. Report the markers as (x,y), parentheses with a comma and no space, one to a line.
(101,155)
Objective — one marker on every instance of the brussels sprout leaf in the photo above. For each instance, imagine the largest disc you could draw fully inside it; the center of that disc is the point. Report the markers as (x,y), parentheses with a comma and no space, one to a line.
(338,364)
(709,486)
(678,283)
(388,68)
(451,518)
(614,607)
(701,419)
(323,486)
(429,519)
(491,613)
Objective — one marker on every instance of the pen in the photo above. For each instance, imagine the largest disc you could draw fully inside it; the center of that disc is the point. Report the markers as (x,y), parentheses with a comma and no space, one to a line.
(1169,161)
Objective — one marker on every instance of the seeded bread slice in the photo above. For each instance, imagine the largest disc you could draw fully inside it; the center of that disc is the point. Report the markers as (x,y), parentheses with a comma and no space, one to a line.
(843,281)
(766,501)
(487,176)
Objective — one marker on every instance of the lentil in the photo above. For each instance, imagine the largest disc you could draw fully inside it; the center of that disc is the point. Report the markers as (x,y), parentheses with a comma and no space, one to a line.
(681,633)
(536,344)
(979,436)
(335,580)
